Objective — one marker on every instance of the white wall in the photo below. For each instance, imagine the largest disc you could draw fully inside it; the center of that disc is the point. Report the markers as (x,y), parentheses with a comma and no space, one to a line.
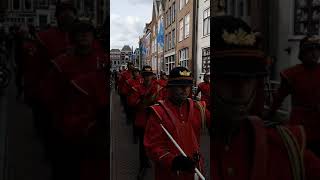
(202,42)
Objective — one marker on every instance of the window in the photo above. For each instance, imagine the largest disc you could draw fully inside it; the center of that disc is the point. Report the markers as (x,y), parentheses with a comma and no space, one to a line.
(241,8)
(166,43)
(206,60)
(173,11)
(43,20)
(184,57)
(181,30)
(173,37)
(206,22)
(168,22)
(169,42)
(169,13)
(27,4)
(186,26)
(16,4)
(306,17)
(181,4)
(170,62)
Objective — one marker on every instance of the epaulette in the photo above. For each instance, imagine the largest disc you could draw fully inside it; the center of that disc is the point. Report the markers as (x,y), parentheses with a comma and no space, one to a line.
(271,124)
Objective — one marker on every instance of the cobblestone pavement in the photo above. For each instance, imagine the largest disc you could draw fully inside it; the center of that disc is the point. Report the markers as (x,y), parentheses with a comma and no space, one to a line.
(124,154)
(23,153)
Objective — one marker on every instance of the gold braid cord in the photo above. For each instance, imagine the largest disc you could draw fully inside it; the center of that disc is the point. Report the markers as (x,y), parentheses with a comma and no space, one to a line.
(294,153)
(203,117)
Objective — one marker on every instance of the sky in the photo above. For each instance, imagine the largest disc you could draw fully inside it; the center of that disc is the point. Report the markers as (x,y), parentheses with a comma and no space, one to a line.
(127,21)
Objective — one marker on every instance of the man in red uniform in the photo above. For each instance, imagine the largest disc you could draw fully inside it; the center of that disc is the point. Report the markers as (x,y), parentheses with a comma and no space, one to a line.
(204,88)
(142,95)
(124,86)
(37,56)
(183,118)
(80,60)
(302,82)
(83,58)
(163,79)
(85,130)
(244,147)
(136,81)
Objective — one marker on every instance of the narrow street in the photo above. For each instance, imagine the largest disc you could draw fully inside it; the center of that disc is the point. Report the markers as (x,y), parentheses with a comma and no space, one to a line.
(22,154)
(125,154)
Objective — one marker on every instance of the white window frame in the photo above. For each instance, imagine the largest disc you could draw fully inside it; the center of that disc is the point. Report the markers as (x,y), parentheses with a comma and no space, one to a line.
(170,63)
(181,30)
(206,22)
(181,4)
(187,26)
(184,57)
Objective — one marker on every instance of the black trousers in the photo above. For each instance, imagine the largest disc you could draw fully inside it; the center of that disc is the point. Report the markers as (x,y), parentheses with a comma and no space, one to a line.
(144,161)
(43,125)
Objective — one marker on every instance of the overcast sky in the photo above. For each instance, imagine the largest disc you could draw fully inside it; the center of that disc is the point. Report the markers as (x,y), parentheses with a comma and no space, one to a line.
(127,20)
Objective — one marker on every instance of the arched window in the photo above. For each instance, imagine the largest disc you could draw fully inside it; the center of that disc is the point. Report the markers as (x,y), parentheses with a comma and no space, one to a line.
(27,4)
(16,4)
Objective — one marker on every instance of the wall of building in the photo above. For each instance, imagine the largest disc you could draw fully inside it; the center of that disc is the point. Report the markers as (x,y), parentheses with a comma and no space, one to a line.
(170,53)
(203,41)
(186,42)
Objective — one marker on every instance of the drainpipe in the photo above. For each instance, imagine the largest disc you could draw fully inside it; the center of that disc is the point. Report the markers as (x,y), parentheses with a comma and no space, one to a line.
(195,38)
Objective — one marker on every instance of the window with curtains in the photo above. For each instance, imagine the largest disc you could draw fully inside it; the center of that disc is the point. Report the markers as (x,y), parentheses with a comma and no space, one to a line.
(181,30)
(307,17)
(186,25)
(181,4)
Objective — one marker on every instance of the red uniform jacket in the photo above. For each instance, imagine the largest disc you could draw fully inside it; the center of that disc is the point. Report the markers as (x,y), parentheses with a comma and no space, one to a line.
(80,110)
(205,92)
(141,97)
(162,82)
(85,123)
(261,153)
(55,41)
(66,67)
(123,82)
(304,87)
(184,124)
(38,54)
